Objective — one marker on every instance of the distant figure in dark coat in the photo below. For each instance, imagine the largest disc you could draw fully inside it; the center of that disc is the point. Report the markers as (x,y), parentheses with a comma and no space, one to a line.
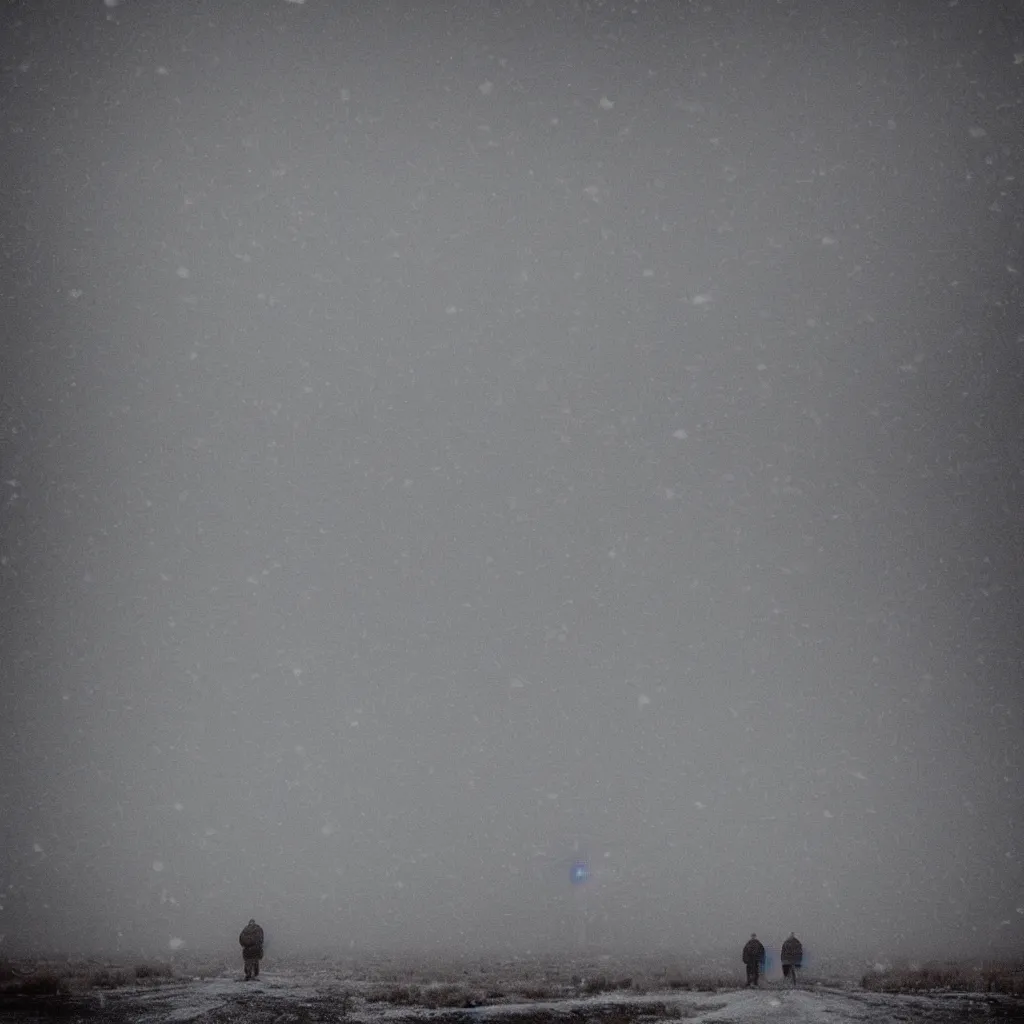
(753,958)
(792,957)
(251,941)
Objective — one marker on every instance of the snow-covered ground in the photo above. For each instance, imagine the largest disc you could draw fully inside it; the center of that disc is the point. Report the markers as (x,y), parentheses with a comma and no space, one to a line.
(326,992)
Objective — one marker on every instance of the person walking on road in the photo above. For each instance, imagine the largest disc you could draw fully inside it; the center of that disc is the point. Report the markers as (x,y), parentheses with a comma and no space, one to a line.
(753,959)
(792,957)
(251,941)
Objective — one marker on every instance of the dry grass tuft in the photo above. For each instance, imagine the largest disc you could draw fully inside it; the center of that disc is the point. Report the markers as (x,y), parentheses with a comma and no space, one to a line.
(109,978)
(701,983)
(433,996)
(535,992)
(43,983)
(396,995)
(436,997)
(152,971)
(602,983)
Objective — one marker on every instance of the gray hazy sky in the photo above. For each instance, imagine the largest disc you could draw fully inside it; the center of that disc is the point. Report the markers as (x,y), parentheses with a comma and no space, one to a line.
(444,439)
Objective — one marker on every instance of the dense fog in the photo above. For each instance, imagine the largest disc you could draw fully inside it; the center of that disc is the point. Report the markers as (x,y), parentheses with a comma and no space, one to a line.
(444,443)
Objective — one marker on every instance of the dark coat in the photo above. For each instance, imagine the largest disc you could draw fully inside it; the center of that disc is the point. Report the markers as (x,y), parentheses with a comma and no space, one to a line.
(792,952)
(251,941)
(753,953)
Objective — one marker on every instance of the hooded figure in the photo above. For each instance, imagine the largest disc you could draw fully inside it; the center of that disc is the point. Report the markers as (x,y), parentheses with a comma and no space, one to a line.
(251,941)
(792,956)
(753,958)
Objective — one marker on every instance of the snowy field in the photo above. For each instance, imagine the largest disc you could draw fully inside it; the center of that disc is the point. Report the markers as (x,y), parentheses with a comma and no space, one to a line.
(506,993)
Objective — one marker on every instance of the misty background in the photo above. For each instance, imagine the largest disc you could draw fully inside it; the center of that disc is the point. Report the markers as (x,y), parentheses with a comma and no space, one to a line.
(442,442)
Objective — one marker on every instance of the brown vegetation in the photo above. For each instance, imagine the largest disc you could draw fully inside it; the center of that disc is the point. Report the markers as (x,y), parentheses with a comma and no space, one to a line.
(433,996)
(1001,979)
(602,983)
(47,979)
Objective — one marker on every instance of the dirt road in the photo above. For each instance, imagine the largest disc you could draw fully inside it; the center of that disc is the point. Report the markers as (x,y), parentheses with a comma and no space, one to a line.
(291,1001)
